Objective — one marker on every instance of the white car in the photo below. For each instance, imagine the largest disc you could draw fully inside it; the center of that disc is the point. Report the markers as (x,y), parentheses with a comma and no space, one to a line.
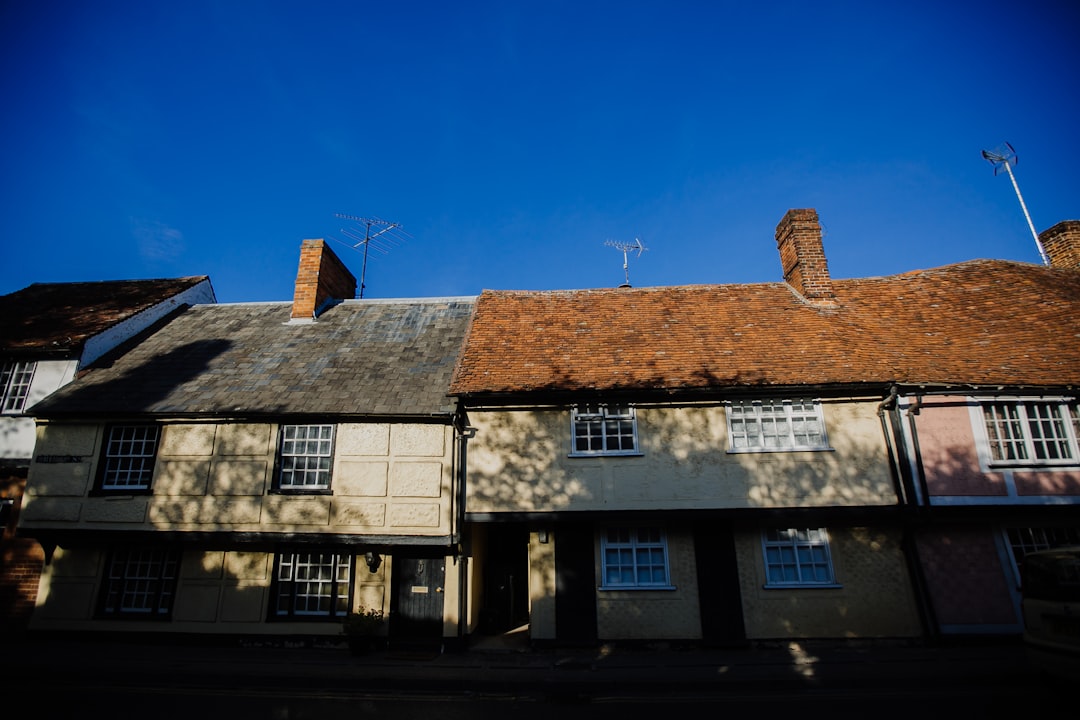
(1050,594)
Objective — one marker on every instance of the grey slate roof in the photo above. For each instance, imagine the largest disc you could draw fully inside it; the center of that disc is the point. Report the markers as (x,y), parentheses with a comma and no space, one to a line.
(359,358)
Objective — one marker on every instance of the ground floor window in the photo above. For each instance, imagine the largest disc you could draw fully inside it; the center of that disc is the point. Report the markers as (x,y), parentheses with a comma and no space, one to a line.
(312,584)
(797,556)
(634,558)
(140,582)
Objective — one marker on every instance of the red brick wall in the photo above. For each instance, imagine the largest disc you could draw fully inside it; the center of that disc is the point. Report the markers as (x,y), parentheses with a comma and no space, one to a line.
(802,255)
(21,561)
(1062,244)
(321,276)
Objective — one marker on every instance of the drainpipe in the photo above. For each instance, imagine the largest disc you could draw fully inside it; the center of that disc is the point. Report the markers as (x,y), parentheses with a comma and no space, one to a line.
(901,471)
(888,404)
(462,434)
(924,490)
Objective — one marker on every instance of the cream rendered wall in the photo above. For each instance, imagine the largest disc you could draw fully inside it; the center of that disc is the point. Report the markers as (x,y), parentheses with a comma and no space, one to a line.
(542,587)
(519,461)
(388,479)
(653,614)
(218,592)
(874,598)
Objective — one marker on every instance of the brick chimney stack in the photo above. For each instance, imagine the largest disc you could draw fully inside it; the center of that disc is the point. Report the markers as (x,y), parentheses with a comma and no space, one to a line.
(802,256)
(1062,244)
(321,279)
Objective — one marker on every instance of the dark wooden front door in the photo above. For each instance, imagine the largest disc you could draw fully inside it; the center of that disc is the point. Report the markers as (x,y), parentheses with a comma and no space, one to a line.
(417,606)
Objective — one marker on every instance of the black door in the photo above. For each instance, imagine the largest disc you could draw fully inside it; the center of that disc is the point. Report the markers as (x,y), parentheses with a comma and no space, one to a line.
(718,584)
(575,585)
(506,579)
(416,610)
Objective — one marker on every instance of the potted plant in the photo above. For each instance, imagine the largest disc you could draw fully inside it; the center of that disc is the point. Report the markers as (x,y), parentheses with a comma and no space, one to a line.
(362,628)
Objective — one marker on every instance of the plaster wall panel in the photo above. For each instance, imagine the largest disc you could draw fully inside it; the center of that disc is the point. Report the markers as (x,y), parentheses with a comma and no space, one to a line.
(181,477)
(238,477)
(361,479)
(371,439)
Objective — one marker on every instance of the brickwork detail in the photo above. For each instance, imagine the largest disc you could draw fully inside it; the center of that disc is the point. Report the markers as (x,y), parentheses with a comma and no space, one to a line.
(802,255)
(1062,244)
(321,277)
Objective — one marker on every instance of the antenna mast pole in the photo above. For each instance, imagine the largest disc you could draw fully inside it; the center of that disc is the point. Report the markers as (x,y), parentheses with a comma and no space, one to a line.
(388,227)
(626,248)
(1000,158)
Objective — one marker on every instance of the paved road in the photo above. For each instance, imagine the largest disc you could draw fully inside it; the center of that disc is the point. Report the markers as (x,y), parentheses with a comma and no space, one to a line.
(125,679)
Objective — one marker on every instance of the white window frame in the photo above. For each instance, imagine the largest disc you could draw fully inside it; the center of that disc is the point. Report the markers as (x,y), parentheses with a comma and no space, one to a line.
(797,555)
(15,380)
(1027,427)
(140,582)
(634,558)
(314,584)
(311,459)
(604,423)
(766,425)
(128,457)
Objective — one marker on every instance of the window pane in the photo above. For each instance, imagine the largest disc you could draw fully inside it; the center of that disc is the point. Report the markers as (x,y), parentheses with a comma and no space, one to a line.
(776,425)
(634,557)
(140,581)
(306,460)
(797,555)
(604,429)
(129,457)
(313,584)
(15,379)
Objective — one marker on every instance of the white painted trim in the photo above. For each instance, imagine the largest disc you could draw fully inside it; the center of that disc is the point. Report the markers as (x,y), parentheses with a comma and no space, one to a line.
(98,345)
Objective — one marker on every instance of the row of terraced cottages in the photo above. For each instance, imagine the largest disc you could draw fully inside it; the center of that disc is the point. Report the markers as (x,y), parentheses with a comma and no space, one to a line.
(811,458)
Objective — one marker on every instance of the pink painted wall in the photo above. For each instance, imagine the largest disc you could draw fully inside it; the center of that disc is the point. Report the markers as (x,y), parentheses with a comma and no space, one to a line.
(947,443)
(966,581)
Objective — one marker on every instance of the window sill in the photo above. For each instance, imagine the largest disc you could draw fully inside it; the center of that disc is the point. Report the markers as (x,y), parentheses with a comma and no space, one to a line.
(625,453)
(635,588)
(298,491)
(1035,465)
(802,586)
(736,451)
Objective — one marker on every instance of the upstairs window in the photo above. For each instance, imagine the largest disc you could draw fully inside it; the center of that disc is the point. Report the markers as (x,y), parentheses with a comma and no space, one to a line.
(1031,433)
(797,556)
(602,429)
(140,583)
(312,585)
(15,378)
(305,457)
(764,425)
(128,457)
(634,558)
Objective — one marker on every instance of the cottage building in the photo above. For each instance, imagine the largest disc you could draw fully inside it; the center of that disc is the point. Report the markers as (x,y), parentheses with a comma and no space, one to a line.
(734,463)
(259,469)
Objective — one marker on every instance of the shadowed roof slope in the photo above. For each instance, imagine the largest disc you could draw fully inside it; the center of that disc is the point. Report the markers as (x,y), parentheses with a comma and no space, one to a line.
(983,322)
(60,317)
(359,358)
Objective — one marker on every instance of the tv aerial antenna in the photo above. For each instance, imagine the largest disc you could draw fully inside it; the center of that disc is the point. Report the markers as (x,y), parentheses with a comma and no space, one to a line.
(627,248)
(1001,157)
(380,235)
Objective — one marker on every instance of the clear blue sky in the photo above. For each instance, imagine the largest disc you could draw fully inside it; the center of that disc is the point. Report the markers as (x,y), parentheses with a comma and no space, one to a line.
(512,140)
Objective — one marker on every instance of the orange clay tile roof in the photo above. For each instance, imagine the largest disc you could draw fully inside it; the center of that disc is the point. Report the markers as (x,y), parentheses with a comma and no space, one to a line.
(982,322)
